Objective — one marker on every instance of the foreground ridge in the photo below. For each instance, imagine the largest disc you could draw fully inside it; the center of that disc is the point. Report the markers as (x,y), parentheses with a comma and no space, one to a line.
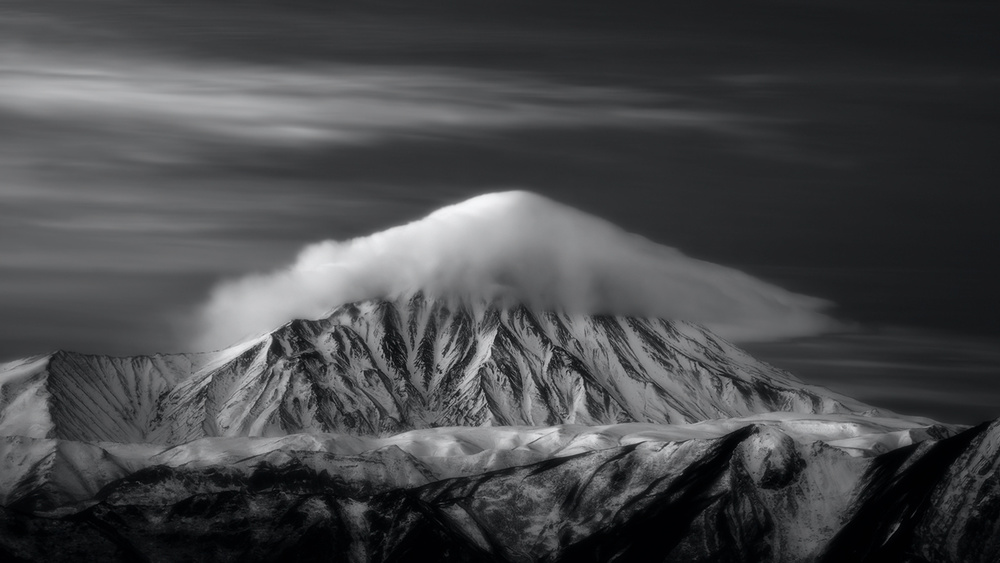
(763,492)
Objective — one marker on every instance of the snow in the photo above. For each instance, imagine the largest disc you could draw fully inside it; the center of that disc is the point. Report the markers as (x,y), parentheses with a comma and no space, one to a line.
(408,392)
(24,398)
(357,372)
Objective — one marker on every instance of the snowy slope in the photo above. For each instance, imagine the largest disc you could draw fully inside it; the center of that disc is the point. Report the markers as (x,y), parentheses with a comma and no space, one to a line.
(421,428)
(383,367)
(757,493)
(60,476)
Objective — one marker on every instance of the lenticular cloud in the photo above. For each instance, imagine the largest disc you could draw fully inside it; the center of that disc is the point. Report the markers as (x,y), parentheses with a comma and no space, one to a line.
(513,245)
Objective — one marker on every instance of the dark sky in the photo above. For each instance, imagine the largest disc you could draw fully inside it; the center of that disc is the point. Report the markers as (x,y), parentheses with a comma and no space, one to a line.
(849,151)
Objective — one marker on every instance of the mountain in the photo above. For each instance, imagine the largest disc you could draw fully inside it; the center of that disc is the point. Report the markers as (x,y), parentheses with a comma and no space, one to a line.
(54,476)
(422,428)
(758,493)
(386,366)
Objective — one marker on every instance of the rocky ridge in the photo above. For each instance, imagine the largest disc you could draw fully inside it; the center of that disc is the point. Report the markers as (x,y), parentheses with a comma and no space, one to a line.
(753,494)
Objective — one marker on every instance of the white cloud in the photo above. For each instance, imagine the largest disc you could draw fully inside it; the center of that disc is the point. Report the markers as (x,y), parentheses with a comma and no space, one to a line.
(333,104)
(518,245)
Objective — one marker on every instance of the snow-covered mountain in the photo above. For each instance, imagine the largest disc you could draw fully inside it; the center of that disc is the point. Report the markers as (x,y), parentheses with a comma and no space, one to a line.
(45,475)
(435,429)
(387,366)
(765,491)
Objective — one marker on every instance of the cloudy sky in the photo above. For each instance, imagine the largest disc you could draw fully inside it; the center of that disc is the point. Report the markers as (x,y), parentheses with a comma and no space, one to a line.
(150,151)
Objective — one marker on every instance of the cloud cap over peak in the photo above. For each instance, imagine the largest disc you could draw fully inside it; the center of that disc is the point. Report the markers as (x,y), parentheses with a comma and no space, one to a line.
(515,245)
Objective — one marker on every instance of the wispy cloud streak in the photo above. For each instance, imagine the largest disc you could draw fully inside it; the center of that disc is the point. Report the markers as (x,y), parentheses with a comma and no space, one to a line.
(326,104)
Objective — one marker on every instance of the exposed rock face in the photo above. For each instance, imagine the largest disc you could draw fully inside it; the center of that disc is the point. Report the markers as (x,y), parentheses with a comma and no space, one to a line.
(754,494)
(936,501)
(382,367)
